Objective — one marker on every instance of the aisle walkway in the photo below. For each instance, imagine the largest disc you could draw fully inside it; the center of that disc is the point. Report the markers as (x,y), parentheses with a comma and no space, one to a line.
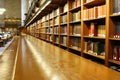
(38,60)
(7,60)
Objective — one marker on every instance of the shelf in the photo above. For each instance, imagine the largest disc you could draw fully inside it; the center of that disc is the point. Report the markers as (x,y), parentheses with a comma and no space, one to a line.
(94,3)
(42,27)
(56,43)
(56,25)
(56,34)
(55,16)
(116,39)
(45,9)
(63,13)
(50,18)
(97,56)
(63,34)
(42,33)
(78,27)
(63,45)
(49,33)
(115,15)
(37,33)
(51,26)
(74,22)
(95,37)
(63,24)
(47,26)
(114,61)
(75,48)
(101,18)
(75,35)
(75,9)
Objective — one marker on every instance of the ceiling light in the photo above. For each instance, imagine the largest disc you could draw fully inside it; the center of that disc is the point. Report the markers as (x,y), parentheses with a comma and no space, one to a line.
(2,10)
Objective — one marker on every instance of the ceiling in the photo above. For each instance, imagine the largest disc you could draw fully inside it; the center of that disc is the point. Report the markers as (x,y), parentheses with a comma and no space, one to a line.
(13,12)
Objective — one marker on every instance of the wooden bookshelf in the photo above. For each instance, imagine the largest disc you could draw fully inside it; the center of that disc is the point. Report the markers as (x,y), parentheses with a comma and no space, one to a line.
(93,21)
(114,61)
(98,56)
(94,37)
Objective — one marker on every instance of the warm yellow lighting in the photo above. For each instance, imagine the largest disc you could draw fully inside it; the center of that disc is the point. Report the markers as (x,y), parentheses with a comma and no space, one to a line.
(2,10)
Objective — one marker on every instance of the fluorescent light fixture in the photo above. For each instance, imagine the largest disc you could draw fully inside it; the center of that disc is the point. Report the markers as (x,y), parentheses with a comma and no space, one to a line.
(2,10)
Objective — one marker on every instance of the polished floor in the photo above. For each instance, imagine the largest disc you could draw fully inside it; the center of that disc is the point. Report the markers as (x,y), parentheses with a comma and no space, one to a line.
(38,60)
(7,60)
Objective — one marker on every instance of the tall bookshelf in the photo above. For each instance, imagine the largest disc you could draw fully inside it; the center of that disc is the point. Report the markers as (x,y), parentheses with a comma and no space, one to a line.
(90,27)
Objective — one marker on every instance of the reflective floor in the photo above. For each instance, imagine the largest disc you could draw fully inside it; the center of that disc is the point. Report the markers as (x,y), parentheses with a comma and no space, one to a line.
(38,60)
(7,60)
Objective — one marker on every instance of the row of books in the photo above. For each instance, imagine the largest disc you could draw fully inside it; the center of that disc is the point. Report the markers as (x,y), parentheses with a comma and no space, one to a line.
(56,30)
(63,40)
(64,30)
(56,20)
(51,22)
(95,12)
(43,36)
(46,23)
(43,30)
(64,19)
(76,16)
(76,3)
(65,8)
(49,38)
(97,30)
(51,15)
(47,17)
(37,30)
(56,39)
(116,52)
(94,47)
(87,1)
(43,24)
(76,29)
(49,30)
(74,43)
(116,6)
(56,12)
(117,29)
(43,19)
(36,35)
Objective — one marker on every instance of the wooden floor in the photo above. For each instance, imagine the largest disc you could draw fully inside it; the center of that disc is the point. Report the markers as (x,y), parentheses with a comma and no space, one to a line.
(7,60)
(38,60)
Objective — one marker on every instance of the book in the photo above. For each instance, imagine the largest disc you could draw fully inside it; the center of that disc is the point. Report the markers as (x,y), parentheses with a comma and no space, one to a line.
(76,3)
(116,7)
(101,30)
(116,53)
(63,40)
(94,47)
(56,30)
(64,30)
(56,20)
(56,12)
(56,39)
(93,29)
(65,8)
(64,18)
(76,16)
(117,29)
(75,43)
(87,1)
(95,12)
(76,29)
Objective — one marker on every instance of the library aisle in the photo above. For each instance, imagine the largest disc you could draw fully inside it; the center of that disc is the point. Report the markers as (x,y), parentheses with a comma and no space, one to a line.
(39,60)
(7,60)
